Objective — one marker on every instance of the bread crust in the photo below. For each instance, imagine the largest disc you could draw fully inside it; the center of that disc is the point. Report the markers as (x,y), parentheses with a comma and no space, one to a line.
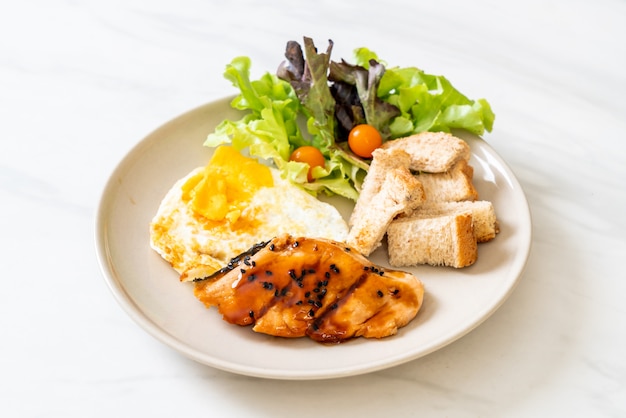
(383,161)
(432,152)
(453,185)
(483,215)
(400,193)
(446,240)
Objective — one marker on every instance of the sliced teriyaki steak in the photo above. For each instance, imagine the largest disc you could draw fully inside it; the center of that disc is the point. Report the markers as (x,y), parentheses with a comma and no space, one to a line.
(295,286)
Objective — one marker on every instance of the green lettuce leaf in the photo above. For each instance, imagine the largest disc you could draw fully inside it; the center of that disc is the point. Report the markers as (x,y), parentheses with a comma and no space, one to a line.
(271,124)
(427,102)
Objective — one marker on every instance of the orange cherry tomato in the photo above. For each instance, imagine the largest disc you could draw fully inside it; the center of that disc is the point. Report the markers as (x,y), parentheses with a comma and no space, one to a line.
(364,139)
(310,155)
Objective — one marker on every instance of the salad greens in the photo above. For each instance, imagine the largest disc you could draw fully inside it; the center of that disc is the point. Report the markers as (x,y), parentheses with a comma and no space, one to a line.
(312,100)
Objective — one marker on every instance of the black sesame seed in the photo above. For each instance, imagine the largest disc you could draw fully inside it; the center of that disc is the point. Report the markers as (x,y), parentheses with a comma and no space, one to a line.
(253,263)
(315,326)
(272,247)
(310,302)
(334,306)
(325,283)
(268,273)
(327,275)
(318,304)
(381,273)
(347,249)
(316,290)
(251,278)
(366,268)
(395,292)
(321,294)
(292,274)
(299,303)
(307,294)
(311,312)
(251,314)
(276,293)
(283,292)
(300,284)
(380,293)
(242,271)
(268,285)
(311,271)
(295,244)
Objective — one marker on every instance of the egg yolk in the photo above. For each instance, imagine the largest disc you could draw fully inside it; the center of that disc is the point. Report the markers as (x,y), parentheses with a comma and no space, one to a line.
(221,191)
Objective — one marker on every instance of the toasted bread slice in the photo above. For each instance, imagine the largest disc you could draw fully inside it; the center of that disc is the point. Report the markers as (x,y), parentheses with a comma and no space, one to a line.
(483,215)
(400,192)
(446,240)
(451,186)
(383,161)
(432,152)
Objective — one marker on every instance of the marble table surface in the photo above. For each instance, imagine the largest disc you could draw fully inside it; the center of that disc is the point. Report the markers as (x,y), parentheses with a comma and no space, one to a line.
(81,82)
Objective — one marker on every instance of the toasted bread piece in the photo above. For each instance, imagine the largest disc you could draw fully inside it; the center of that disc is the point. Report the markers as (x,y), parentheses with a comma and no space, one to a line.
(446,240)
(400,192)
(432,152)
(451,186)
(483,215)
(382,162)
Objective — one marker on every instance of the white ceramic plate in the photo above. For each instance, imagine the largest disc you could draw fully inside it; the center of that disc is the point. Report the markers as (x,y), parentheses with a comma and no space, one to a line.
(456,301)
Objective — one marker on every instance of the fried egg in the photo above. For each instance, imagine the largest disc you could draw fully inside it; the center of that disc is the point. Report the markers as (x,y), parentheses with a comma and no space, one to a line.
(217,212)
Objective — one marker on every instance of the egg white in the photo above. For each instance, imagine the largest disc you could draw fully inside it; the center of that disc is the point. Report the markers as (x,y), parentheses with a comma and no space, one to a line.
(195,247)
